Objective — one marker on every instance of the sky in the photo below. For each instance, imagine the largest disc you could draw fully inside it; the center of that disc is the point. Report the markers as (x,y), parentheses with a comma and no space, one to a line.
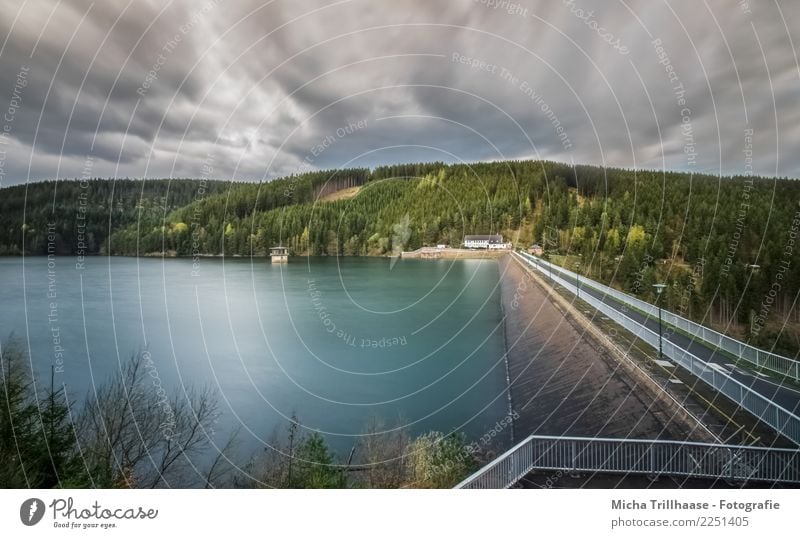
(253,90)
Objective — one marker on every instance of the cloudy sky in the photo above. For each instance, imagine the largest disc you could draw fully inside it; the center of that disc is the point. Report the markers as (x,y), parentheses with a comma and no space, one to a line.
(260,89)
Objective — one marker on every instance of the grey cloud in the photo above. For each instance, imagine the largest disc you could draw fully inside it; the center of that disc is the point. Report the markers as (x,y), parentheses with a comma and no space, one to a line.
(228,88)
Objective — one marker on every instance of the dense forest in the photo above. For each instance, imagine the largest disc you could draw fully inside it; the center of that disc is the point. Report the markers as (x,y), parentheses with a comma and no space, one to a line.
(725,245)
(75,217)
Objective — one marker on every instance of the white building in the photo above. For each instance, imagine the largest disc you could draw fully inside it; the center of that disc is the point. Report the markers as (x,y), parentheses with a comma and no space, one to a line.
(279,254)
(490,242)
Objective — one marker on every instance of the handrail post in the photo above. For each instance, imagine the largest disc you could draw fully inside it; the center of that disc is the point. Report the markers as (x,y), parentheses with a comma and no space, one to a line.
(653,459)
(574,456)
(731,472)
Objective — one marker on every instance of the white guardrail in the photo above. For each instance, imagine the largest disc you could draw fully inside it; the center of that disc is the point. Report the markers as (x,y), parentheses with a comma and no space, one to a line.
(783,421)
(632,456)
(758,357)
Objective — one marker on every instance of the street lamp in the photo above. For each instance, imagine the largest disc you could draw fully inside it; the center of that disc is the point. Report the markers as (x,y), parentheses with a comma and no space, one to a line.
(578,279)
(754,267)
(659,288)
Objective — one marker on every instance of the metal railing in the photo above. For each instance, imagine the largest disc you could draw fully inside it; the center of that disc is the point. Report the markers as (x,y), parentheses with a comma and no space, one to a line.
(641,457)
(780,419)
(758,357)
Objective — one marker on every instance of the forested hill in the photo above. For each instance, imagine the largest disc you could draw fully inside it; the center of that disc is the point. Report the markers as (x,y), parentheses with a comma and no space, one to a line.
(698,233)
(71,216)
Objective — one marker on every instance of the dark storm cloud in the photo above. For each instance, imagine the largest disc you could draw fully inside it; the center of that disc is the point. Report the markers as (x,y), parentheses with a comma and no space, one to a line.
(271,88)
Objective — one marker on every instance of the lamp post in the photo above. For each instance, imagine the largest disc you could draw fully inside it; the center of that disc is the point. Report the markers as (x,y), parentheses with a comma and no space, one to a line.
(659,288)
(754,267)
(578,279)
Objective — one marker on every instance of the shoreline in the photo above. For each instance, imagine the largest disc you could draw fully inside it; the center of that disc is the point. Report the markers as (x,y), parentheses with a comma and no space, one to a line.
(431,253)
(451,254)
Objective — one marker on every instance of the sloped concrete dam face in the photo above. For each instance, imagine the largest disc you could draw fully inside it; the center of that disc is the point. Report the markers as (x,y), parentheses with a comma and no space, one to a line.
(563,381)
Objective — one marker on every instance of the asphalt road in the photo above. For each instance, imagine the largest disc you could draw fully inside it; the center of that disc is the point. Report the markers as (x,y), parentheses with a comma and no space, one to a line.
(767,385)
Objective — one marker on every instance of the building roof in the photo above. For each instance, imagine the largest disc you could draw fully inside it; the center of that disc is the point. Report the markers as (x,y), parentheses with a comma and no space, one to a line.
(489,238)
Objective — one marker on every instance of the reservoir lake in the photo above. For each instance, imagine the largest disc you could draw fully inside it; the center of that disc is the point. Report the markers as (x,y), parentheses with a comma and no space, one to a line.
(337,342)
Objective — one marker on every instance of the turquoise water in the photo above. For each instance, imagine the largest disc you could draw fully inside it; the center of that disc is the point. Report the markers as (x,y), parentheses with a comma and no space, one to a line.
(335,341)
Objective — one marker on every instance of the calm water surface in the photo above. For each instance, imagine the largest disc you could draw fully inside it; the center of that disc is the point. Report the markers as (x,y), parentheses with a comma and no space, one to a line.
(335,341)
